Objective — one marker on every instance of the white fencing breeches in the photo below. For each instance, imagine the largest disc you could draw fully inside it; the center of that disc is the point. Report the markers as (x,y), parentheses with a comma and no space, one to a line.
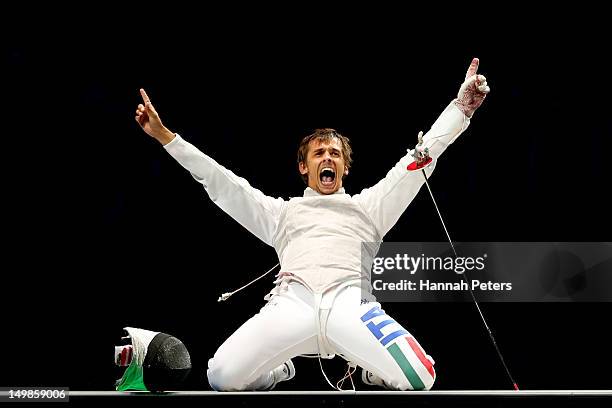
(286,327)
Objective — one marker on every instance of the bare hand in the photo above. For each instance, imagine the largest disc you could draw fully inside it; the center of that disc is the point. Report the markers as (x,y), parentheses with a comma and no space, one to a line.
(149,121)
(473,91)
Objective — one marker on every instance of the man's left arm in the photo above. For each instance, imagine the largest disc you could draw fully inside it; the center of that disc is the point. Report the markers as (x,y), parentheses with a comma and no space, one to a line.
(388,199)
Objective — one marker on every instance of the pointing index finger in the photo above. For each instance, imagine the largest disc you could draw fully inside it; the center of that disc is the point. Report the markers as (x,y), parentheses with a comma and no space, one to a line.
(144,95)
(473,68)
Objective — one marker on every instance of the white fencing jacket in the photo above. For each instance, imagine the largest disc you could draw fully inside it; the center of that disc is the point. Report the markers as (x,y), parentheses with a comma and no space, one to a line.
(318,237)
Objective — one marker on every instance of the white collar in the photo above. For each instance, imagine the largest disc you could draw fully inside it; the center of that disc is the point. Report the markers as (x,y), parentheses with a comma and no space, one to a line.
(309,192)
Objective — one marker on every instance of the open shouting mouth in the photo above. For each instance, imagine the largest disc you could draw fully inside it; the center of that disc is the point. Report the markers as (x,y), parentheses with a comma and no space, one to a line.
(327,176)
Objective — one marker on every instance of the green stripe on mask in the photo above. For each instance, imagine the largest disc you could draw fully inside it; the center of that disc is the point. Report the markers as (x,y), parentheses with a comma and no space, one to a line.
(132,379)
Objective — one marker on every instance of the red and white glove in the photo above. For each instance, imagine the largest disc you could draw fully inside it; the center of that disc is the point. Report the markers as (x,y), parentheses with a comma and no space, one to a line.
(473,91)
(421,153)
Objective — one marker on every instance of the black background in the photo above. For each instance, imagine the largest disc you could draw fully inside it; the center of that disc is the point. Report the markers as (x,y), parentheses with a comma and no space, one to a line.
(102,229)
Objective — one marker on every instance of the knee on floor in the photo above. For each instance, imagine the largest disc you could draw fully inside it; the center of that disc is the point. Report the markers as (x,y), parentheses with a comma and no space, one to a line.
(423,381)
(225,377)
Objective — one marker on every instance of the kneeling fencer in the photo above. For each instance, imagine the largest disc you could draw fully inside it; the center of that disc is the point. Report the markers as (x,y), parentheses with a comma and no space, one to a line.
(317,306)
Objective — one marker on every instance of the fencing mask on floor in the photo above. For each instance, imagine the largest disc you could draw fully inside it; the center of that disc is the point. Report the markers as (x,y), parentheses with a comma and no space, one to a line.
(155,361)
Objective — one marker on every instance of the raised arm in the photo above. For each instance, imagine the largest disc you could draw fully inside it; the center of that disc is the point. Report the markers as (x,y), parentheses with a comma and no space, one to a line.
(388,199)
(250,207)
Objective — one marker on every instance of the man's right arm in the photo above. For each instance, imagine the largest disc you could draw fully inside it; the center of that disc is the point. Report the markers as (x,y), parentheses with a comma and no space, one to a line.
(250,207)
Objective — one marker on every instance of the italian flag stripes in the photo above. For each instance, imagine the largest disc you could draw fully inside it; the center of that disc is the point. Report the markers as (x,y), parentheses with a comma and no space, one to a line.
(404,349)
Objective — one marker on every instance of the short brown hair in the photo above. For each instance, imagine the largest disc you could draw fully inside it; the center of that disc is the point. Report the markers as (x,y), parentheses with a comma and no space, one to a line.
(325,135)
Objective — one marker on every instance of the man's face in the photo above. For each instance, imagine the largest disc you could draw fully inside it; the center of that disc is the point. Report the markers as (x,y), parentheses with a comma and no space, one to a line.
(324,166)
